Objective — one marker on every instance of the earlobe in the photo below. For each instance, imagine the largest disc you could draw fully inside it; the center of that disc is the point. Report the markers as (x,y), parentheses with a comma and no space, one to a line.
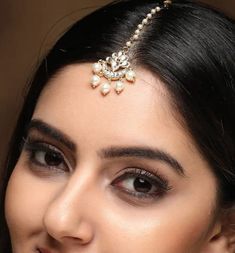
(222,238)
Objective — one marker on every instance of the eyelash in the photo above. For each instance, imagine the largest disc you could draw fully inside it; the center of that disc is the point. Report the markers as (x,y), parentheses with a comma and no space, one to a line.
(150,177)
(33,147)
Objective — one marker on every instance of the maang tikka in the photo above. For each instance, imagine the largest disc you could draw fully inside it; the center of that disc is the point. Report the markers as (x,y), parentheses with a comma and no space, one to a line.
(117,67)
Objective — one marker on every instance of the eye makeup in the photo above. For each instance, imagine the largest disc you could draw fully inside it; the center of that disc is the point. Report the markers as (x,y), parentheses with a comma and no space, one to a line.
(141,185)
(44,156)
(137,184)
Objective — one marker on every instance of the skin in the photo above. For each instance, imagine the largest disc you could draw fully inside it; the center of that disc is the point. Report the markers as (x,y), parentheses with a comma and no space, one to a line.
(80,207)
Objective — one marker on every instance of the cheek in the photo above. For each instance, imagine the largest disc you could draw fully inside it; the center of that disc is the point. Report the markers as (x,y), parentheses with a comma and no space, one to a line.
(25,204)
(146,235)
(180,225)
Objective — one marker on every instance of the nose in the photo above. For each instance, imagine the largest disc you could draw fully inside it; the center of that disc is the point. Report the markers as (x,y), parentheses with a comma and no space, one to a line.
(66,217)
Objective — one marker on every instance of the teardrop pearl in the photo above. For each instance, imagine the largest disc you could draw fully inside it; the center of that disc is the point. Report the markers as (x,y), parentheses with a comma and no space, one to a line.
(97,67)
(130,76)
(119,87)
(95,81)
(105,89)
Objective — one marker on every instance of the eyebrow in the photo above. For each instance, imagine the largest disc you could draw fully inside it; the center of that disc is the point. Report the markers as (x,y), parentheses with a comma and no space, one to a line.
(110,152)
(51,132)
(145,153)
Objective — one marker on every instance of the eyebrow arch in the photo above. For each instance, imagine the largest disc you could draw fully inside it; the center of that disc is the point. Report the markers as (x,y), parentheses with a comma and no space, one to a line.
(51,132)
(145,153)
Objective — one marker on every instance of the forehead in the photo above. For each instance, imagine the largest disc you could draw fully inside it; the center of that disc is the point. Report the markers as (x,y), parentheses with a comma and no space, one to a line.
(141,113)
(73,82)
(69,96)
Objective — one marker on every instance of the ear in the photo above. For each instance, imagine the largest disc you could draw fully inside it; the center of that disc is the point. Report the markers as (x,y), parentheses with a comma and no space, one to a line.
(222,237)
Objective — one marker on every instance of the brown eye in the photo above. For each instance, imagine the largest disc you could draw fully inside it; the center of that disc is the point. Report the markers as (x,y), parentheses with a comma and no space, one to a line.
(46,156)
(142,185)
(49,158)
(135,183)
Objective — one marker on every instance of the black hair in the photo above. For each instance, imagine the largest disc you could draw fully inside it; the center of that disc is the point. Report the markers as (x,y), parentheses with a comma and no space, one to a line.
(189,46)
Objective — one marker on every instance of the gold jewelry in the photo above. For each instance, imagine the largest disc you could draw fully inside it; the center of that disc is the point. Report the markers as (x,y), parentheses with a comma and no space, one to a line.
(117,67)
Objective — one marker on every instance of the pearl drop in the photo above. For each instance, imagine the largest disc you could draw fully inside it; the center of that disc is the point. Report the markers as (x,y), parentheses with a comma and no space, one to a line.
(105,89)
(97,67)
(137,31)
(153,11)
(140,26)
(145,21)
(119,87)
(95,81)
(149,15)
(130,76)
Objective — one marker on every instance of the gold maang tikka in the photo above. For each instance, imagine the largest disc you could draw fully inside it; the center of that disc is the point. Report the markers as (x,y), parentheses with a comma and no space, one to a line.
(117,67)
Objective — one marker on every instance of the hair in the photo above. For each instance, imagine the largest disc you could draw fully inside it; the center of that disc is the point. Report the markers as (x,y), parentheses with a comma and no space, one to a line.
(189,46)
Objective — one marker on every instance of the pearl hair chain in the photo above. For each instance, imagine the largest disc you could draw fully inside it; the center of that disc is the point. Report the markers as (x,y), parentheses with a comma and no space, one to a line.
(117,67)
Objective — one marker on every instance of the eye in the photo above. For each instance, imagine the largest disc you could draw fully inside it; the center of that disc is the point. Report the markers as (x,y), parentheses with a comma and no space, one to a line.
(45,155)
(48,158)
(141,184)
(137,184)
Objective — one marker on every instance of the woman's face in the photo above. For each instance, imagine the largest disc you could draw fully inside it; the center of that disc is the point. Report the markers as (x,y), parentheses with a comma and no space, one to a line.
(109,174)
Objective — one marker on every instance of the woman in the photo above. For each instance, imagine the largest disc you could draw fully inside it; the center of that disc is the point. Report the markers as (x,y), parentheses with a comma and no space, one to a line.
(147,165)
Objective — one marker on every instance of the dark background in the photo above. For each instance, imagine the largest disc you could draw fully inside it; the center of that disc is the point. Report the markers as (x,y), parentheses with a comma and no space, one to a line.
(28,28)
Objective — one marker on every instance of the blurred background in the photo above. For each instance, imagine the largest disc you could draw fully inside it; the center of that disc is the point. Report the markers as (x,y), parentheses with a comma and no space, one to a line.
(27,30)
